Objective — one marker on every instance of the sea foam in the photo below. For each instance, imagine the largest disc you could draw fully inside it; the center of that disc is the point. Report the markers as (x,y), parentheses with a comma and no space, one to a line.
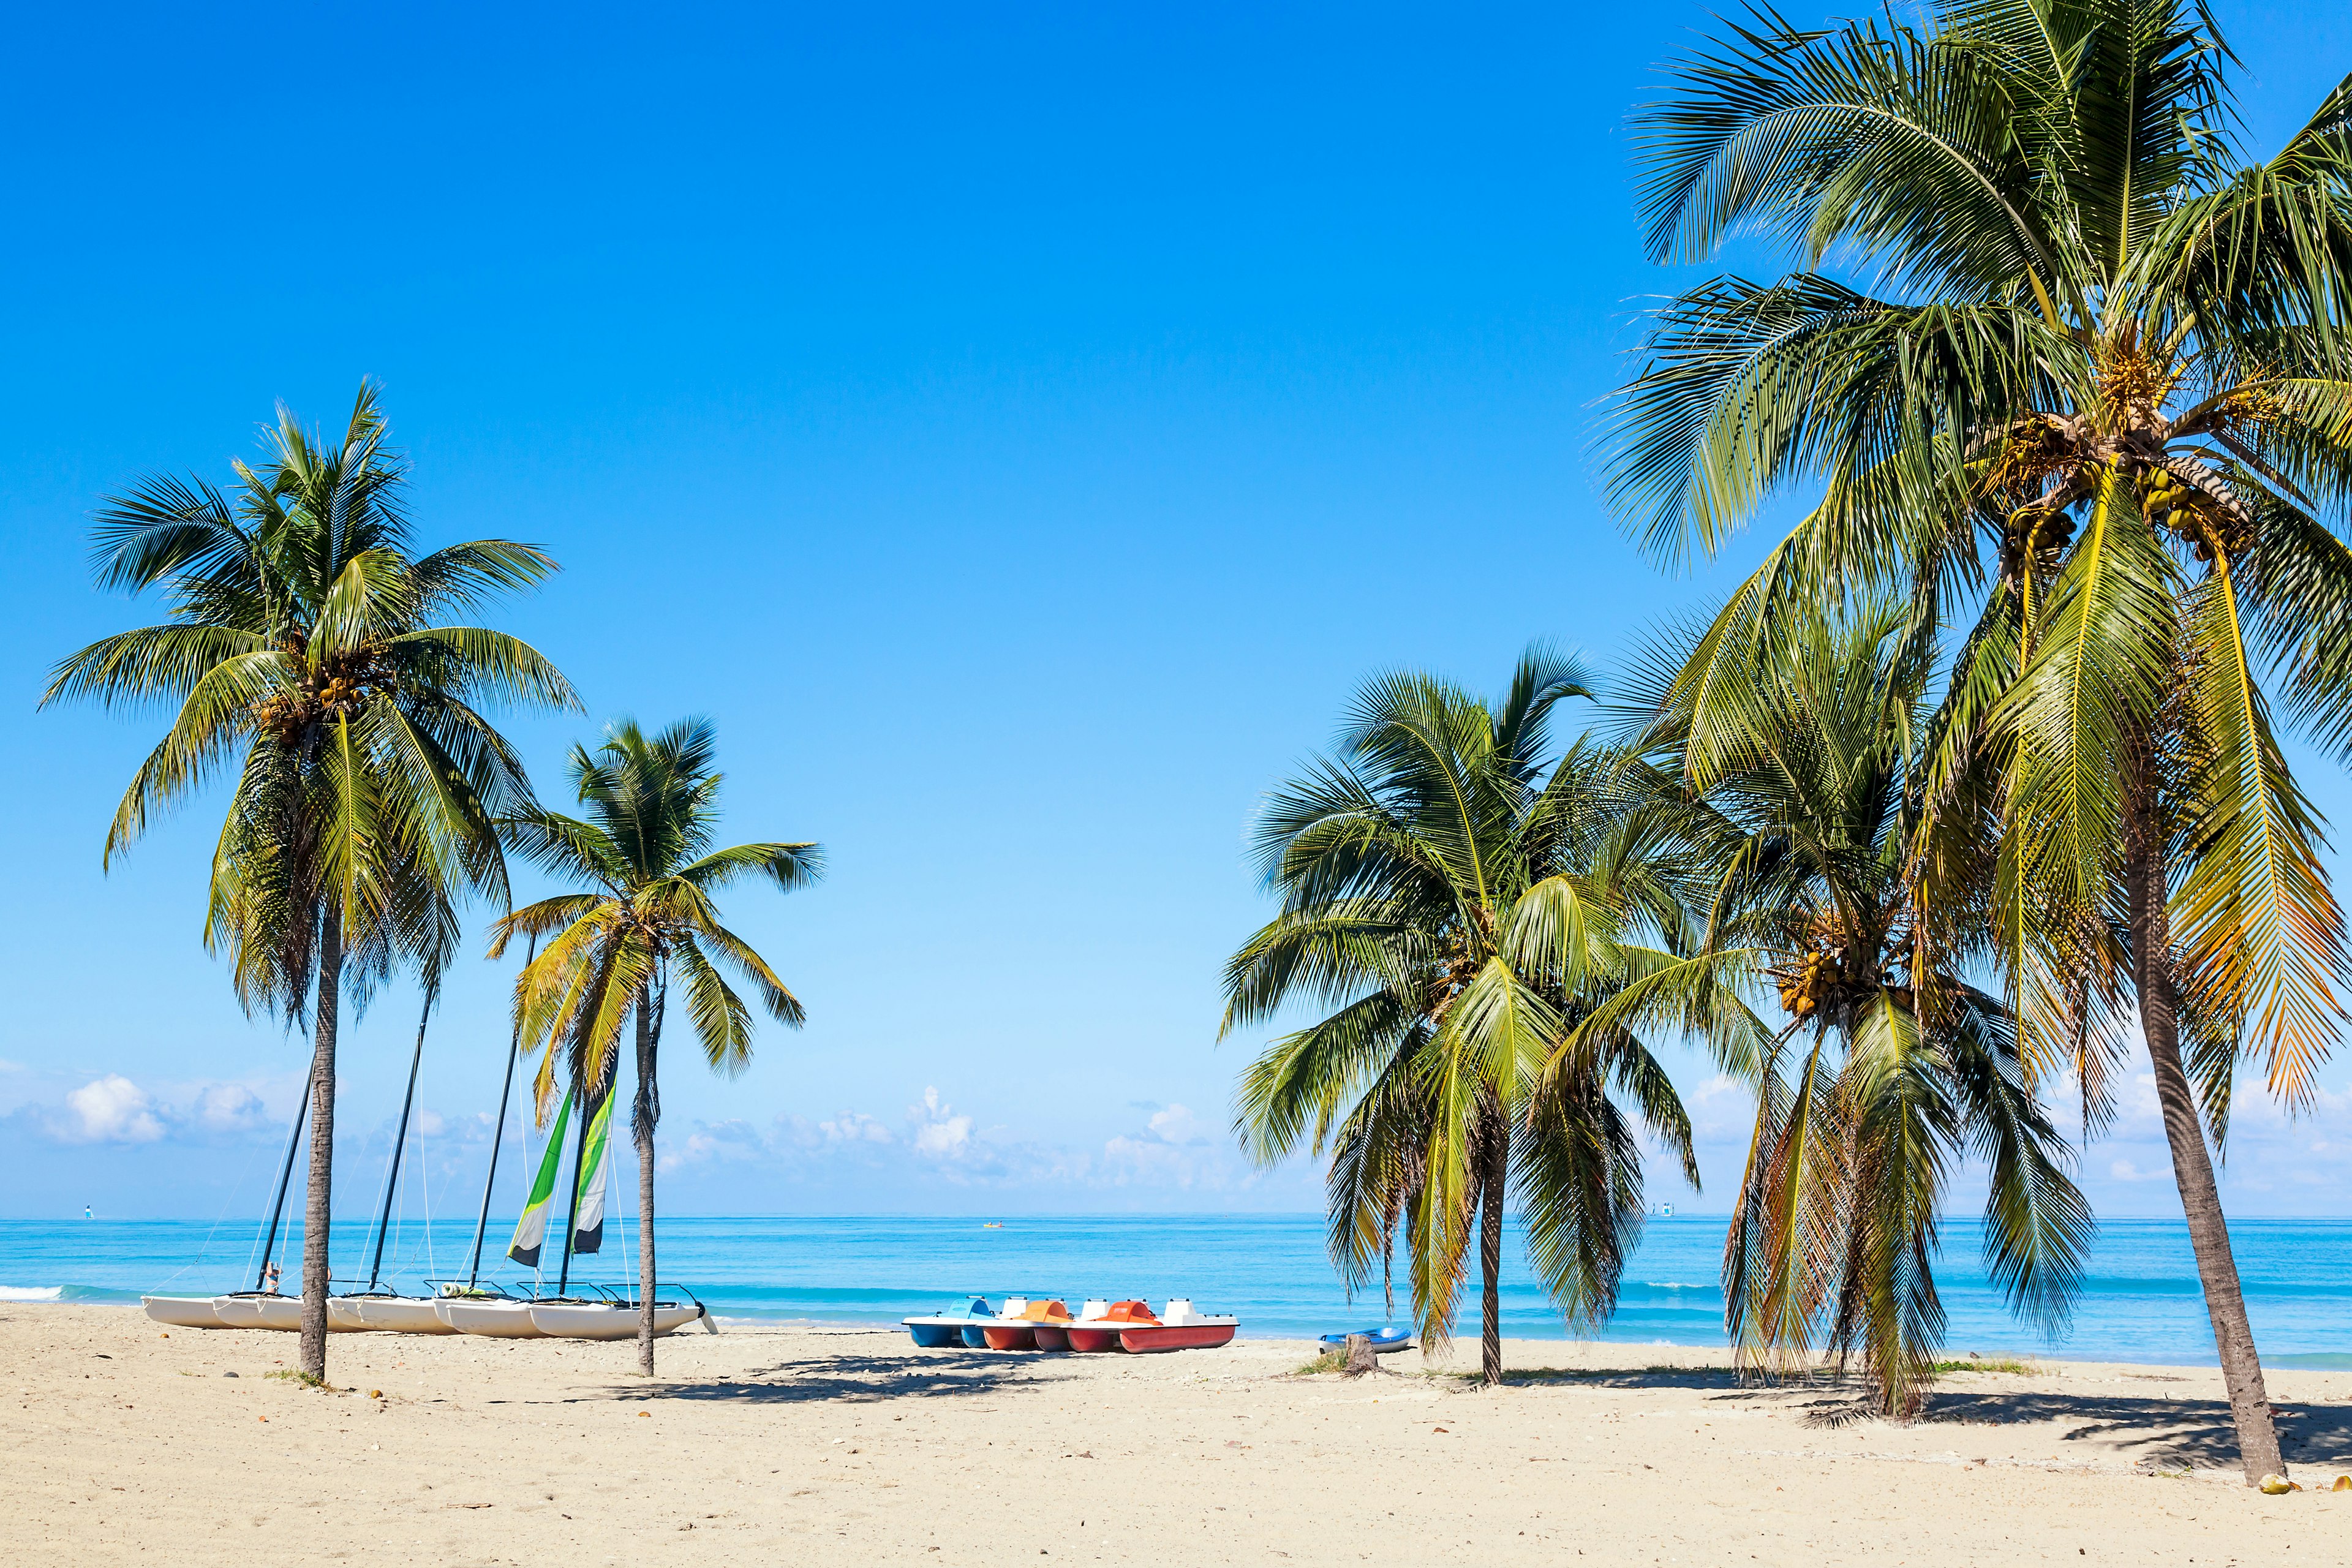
(31,1292)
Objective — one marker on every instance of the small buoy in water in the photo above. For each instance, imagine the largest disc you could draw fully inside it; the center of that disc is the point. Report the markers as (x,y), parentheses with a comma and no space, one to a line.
(2276,1486)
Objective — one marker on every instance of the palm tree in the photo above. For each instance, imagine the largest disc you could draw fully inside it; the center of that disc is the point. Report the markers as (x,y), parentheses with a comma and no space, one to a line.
(1892,1064)
(644,847)
(1459,897)
(305,646)
(2085,388)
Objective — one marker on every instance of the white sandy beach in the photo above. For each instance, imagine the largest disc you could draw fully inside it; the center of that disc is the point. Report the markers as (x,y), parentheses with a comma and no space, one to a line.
(768,1445)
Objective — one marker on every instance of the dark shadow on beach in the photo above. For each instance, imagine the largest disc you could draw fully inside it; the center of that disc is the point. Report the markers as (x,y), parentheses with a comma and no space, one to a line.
(2162,1434)
(1719,1379)
(856,1379)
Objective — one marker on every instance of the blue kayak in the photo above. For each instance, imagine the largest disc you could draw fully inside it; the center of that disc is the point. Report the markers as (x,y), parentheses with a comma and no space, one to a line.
(1385,1340)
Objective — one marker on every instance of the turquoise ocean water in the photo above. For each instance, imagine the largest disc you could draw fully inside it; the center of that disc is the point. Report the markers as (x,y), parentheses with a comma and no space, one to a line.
(2140,1301)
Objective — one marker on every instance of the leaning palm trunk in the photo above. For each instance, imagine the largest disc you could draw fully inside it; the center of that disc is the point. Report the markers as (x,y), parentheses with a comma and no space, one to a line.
(2084,390)
(2193,1165)
(647,1112)
(317,1211)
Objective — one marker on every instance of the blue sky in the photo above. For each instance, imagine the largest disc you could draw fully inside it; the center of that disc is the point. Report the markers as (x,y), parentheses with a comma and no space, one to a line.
(1018,430)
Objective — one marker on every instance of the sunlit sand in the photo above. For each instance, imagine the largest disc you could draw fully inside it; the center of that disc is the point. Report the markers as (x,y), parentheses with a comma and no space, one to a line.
(768,1445)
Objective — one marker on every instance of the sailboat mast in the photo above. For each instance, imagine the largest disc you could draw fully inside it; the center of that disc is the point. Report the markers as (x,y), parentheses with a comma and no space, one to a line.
(285,1175)
(498,1134)
(400,1140)
(571,1220)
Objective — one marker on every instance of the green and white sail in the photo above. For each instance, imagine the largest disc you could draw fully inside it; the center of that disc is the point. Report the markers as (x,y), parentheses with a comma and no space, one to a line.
(531,1229)
(589,1235)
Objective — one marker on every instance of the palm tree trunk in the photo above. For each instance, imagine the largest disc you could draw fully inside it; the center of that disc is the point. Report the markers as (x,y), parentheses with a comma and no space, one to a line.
(1494,1157)
(2192,1164)
(646,1111)
(318,1209)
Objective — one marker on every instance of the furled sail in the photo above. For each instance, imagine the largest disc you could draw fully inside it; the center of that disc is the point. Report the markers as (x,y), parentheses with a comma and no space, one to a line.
(531,1229)
(588,1234)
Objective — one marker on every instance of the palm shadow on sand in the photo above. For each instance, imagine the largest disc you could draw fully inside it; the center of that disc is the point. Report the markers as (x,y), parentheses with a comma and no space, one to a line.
(854,1379)
(2159,1433)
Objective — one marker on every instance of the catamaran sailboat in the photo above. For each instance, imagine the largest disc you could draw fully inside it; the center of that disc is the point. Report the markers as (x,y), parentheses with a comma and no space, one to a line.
(468,1308)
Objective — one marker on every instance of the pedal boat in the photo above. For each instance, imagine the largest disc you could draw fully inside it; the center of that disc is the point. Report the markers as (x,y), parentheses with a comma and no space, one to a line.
(1049,1325)
(182,1312)
(1131,1326)
(1100,1323)
(947,1329)
(1180,1328)
(1021,1324)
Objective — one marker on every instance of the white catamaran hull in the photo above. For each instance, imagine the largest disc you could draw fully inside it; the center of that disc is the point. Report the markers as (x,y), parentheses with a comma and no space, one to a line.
(280,1312)
(260,1312)
(344,1317)
(182,1311)
(594,1321)
(396,1314)
(500,1320)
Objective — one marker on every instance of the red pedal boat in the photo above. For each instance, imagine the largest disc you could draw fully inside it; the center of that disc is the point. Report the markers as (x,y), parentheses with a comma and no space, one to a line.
(1132,1326)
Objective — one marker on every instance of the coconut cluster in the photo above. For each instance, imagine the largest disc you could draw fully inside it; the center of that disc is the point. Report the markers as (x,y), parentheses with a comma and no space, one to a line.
(342,684)
(2172,502)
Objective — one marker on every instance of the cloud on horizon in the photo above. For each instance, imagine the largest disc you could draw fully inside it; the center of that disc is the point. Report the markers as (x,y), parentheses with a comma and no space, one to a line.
(111,1110)
(933,1146)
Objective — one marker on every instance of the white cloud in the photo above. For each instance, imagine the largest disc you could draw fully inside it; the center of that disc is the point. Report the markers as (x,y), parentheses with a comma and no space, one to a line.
(2125,1170)
(112,1110)
(721,1142)
(1175,1125)
(229,1108)
(939,1133)
(1148,1162)
(429,1124)
(855,1127)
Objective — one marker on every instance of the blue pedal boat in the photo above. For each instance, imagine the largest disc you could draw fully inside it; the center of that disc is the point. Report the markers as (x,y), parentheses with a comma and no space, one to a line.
(956,1326)
(1385,1341)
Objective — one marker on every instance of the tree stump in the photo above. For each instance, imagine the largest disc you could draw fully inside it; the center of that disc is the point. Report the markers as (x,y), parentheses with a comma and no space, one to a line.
(1360,1359)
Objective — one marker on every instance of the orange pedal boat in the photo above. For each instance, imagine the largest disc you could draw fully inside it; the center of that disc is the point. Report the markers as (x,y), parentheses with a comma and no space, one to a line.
(1025,1326)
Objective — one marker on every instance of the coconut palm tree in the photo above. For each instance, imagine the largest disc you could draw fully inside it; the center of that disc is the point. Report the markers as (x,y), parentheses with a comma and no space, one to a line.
(2074,373)
(1458,895)
(307,649)
(644,849)
(1892,1066)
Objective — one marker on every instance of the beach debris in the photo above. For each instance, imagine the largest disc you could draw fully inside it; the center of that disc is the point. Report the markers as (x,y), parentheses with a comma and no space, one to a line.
(2276,1485)
(2343,1484)
(228,1374)
(375,1394)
